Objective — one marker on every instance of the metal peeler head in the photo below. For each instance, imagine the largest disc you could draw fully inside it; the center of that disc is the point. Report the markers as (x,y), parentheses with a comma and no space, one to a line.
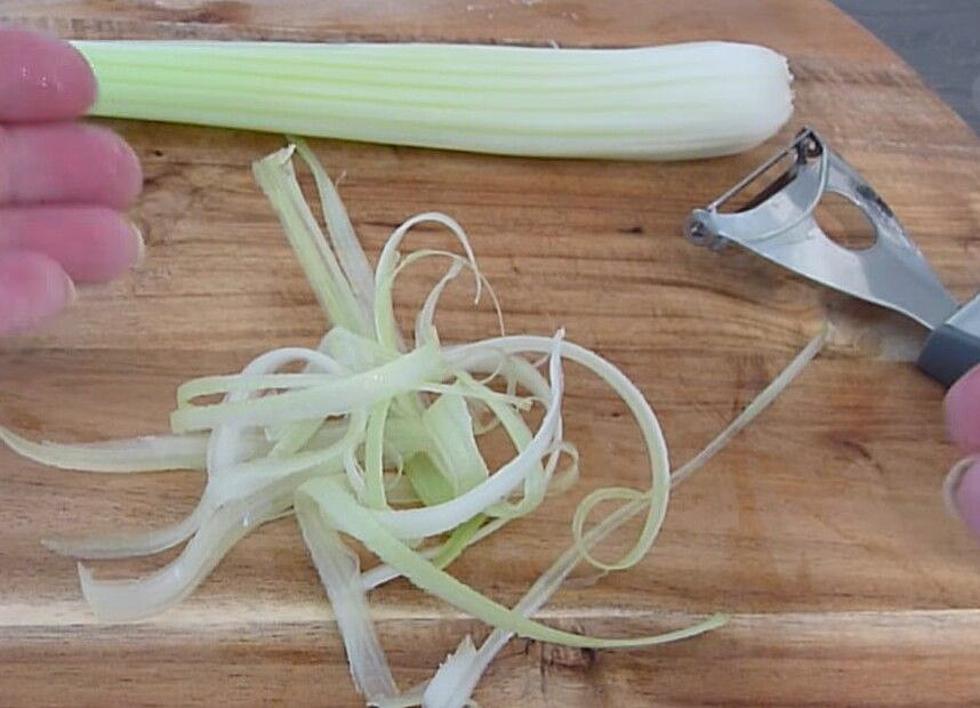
(779,224)
(700,227)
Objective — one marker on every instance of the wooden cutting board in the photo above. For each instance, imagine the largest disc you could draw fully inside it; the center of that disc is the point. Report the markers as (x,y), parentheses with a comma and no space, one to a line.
(820,529)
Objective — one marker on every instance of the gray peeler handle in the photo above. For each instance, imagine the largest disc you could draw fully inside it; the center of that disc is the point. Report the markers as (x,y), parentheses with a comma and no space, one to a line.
(954,347)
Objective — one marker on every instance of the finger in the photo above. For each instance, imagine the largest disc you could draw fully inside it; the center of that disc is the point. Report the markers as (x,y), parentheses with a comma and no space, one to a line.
(67,162)
(33,288)
(42,78)
(92,244)
(966,497)
(963,411)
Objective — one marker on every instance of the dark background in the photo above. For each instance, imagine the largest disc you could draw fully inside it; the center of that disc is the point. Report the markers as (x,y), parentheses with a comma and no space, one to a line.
(939,38)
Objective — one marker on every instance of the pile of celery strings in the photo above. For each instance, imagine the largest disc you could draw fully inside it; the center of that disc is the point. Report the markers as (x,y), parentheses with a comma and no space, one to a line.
(377,440)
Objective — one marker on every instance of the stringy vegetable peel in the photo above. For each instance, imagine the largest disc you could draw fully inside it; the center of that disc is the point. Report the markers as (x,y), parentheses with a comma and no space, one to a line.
(377,440)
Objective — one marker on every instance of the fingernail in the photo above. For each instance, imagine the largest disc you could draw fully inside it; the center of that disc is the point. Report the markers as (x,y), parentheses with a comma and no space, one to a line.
(140,246)
(961,492)
(71,291)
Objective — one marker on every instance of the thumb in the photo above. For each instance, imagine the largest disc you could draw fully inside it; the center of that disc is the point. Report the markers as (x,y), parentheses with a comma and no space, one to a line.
(963,424)
(33,288)
(963,411)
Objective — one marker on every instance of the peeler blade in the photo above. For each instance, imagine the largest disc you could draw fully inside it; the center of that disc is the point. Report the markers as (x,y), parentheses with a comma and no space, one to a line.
(779,224)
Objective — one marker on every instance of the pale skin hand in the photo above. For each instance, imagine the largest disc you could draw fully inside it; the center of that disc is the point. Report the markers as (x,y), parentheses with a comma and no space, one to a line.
(963,422)
(63,184)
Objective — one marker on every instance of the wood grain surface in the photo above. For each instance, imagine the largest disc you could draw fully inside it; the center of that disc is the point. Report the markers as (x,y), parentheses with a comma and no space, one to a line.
(820,529)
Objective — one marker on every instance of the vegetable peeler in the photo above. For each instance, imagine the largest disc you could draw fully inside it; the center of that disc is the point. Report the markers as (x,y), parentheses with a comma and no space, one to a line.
(779,224)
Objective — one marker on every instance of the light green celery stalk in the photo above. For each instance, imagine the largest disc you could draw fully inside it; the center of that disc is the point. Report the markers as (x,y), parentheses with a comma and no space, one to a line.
(679,101)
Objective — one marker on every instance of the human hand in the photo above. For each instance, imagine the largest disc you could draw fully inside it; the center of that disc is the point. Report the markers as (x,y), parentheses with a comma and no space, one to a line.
(63,184)
(963,423)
